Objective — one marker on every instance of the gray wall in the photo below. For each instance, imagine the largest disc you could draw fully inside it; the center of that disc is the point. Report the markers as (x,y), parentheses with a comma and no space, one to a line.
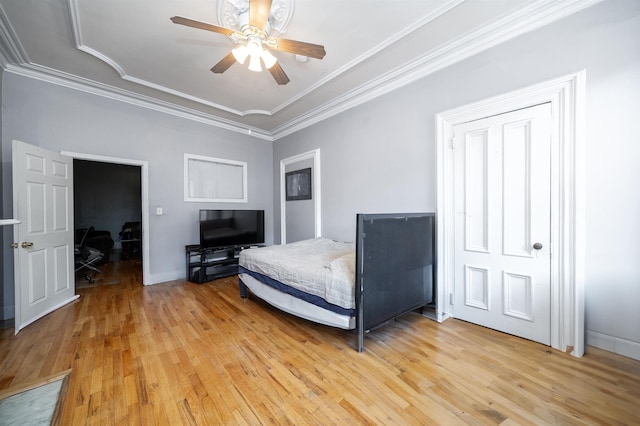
(63,119)
(380,156)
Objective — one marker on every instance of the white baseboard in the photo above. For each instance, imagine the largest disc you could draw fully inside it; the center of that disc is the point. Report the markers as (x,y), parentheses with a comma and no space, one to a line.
(164,277)
(614,344)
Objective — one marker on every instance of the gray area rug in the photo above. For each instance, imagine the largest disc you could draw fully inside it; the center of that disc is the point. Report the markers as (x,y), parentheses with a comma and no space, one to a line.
(33,407)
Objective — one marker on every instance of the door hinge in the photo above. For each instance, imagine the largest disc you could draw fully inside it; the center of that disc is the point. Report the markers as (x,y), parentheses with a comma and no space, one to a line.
(451,299)
(452,143)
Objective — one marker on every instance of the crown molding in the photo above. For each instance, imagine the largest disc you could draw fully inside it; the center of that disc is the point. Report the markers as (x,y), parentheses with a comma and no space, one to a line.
(371,52)
(11,50)
(48,75)
(524,20)
(510,26)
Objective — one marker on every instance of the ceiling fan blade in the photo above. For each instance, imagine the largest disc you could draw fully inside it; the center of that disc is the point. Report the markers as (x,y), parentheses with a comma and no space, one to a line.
(201,25)
(278,74)
(301,48)
(259,11)
(224,64)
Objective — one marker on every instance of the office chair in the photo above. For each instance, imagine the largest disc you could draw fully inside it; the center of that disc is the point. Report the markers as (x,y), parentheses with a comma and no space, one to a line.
(86,257)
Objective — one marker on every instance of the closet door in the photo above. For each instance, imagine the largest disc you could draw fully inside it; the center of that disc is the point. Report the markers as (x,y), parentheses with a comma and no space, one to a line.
(502,227)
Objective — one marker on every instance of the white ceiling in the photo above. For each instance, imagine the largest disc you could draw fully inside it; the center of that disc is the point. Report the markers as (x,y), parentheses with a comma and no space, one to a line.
(130,49)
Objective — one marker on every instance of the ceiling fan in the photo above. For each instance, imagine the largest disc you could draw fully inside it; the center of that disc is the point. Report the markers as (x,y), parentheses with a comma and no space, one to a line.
(253,42)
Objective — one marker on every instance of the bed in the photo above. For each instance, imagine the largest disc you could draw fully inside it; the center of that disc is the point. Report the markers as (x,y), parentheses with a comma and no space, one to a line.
(387,272)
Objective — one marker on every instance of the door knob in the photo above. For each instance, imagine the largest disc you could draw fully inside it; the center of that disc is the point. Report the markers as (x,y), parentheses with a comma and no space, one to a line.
(26,244)
(13,245)
(537,246)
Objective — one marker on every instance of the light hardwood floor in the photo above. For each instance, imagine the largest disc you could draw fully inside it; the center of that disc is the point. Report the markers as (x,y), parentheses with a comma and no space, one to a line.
(183,353)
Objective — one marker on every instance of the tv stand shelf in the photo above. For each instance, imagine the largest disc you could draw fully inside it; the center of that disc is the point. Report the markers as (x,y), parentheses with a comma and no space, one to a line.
(211,263)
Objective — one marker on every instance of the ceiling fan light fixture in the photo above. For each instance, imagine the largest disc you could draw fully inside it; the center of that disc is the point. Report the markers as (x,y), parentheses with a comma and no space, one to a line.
(254,48)
(240,53)
(255,27)
(268,58)
(254,64)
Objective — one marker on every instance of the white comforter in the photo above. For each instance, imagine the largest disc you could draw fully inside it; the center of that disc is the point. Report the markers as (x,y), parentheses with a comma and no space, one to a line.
(319,266)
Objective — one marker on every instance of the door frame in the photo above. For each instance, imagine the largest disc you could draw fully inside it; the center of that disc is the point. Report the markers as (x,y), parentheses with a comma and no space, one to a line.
(144,189)
(567,98)
(315,155)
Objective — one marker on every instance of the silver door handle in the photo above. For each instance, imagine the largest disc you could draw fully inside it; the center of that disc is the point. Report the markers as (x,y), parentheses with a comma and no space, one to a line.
(26,244)
(537,246)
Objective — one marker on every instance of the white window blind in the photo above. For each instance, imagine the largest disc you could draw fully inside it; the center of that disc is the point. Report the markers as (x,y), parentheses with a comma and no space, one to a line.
(214,179)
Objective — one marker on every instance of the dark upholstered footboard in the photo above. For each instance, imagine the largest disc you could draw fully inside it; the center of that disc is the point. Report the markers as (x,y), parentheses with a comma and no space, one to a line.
(394,267)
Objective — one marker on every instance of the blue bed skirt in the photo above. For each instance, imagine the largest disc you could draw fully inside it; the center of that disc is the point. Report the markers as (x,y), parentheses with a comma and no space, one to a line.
(299,294)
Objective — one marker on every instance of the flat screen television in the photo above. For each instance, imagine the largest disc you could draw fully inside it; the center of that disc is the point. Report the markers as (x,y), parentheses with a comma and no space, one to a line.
(227,228)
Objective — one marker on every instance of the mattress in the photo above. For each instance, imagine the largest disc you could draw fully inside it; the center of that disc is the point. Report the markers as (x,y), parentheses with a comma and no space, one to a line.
(321,268)
(296,306)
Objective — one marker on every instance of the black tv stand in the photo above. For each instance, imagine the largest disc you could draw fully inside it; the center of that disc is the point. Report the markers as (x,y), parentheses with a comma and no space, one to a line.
(207,264)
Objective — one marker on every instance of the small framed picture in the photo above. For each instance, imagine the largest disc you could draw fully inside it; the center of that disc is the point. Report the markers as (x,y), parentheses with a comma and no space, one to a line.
(298,184)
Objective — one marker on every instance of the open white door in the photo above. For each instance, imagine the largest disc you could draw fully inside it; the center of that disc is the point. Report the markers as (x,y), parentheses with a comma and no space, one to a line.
(44,258)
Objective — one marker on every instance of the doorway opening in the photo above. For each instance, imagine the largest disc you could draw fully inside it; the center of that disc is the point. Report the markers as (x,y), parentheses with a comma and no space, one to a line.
(111,196)
(108,221)
(309,159)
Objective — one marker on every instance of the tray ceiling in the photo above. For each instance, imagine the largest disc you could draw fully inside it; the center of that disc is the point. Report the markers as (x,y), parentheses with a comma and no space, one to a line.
(129,49)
